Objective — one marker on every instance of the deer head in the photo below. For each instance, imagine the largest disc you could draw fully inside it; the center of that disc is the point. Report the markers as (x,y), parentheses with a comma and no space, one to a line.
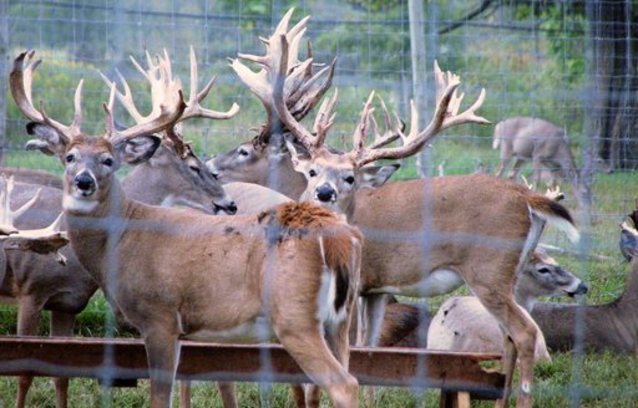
(334,177)
(175,165)
(91,161)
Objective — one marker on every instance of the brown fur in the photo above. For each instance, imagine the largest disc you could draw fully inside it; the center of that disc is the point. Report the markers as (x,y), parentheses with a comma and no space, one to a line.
(33,176)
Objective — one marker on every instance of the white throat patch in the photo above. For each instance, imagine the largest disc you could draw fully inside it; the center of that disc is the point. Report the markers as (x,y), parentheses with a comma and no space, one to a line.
(70,203)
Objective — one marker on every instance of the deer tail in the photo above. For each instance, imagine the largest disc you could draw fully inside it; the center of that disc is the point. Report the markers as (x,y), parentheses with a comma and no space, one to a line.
(497,137)
(554,214)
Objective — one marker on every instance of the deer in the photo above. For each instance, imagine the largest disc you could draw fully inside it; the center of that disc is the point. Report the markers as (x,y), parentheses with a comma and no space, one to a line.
(170,177)
(265,159)
(174,175)
(160,180)
(47,240)
(463,324)
(506,218)
(299,263)
(611,326)
(36,281)
(537,140)
(33,176)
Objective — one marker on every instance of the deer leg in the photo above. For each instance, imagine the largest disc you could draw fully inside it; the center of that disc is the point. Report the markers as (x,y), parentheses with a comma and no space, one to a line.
(298,395)
(500,170)
(184,394)
(162,350)
(227,392)
(309,349)
(516,169)
(61,325)
(28,320)
(373,310)
(522,330)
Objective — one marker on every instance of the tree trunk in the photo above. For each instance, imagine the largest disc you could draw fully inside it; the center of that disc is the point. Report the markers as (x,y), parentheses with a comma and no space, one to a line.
(614,103)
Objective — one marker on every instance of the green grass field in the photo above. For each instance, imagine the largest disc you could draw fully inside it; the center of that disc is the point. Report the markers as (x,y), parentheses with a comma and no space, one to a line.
(589,381)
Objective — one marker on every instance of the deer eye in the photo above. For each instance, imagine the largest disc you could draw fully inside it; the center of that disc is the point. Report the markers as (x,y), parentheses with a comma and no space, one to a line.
(312,173)
(70,158)
(195,169)
(544,270)
(243,152)
(108,162)
(349,179)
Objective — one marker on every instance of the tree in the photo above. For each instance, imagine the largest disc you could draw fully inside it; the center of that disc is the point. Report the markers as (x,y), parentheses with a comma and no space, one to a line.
(613,111)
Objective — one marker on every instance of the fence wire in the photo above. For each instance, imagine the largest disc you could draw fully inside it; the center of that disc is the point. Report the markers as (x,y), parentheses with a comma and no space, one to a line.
(570,62)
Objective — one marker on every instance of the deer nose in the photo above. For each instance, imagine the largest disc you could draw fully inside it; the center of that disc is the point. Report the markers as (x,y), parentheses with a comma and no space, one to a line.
(581,289)
(85,183)
(230,208)
(325,193)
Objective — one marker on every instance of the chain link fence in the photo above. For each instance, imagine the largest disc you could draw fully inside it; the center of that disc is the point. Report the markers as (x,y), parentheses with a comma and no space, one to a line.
(570,62)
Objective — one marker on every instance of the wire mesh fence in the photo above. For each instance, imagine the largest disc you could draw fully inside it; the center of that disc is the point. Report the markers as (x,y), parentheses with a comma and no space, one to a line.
(571,63)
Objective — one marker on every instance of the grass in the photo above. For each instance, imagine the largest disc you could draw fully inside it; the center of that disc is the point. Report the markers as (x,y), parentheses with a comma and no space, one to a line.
(592,380)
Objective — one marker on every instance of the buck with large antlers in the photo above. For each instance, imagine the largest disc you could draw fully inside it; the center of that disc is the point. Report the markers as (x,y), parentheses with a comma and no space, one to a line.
(265,159)
(299,263)
(174,175)
(445,231)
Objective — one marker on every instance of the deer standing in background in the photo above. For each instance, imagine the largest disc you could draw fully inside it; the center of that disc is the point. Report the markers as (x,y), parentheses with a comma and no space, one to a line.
(36,282)
(608,327)
(537,140)
(463,324)
(445,231)
(297,257)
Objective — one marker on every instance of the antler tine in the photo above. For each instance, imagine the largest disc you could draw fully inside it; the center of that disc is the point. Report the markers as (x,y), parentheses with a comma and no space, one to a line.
(390,134)
(194,109)
(305,98)
(8,216)
(126,98)
(21,81)
(303,136)
(445,116)
(360,134)
(528,185)
(554,194)
(325,119)
(109,118)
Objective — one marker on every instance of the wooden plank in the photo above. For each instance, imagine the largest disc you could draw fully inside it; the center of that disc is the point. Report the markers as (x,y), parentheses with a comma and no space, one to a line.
(124,359)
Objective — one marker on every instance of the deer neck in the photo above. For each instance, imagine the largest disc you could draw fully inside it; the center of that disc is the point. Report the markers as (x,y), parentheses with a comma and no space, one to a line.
(282,177)
(525,297)
(145,184)
(92,233)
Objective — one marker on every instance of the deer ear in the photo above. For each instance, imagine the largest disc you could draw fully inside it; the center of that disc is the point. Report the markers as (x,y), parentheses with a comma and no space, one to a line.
(137,149)
(376,176)
(48,140)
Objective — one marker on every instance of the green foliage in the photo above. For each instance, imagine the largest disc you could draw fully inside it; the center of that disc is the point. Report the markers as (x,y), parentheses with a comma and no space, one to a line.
(565,34)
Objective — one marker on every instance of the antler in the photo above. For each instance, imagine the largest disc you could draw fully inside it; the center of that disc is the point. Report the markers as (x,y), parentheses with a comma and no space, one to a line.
(21,80)
(446,115)
(44,240)
(303,88)
(390,132)
(167,101)
(159,75)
